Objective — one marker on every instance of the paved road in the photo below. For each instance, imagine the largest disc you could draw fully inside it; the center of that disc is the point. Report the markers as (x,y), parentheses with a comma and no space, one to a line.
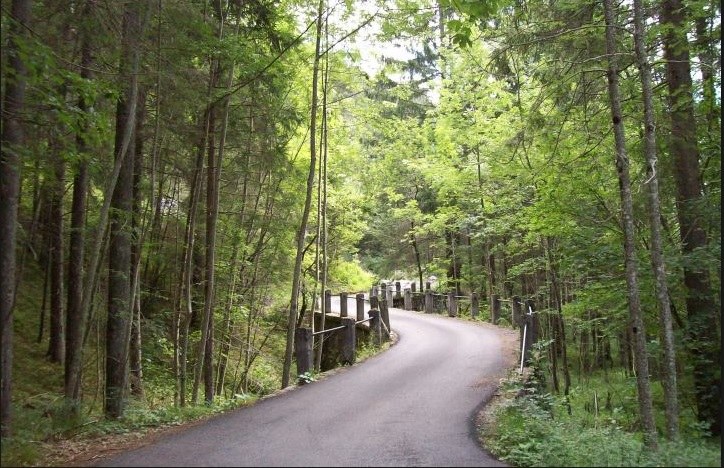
(412,405)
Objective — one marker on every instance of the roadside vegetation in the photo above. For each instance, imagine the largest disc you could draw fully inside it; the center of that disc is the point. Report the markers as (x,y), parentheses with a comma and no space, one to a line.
(596,425)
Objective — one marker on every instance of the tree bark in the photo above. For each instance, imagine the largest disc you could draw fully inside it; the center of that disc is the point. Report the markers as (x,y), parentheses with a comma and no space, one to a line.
(301,232)
(657,250)
(488,258)
(75,317)
(56,344)
(119,254)
(135,338)
(10,163)
(634,302)
(184,307)
(702,338)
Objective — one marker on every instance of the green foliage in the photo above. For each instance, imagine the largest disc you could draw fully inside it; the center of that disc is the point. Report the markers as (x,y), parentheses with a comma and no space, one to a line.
(306,377)
(350,276)
(533,428)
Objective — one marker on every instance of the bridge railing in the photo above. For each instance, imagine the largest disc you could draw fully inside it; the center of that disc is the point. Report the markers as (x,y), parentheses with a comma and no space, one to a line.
(376,327)
(346,333)
(522,312)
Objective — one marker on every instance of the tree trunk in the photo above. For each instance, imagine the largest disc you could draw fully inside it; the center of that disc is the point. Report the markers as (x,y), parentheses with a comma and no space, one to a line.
(634,302)
(135,357)
(416,249)
(119,254)
(301,232)
(657,249)
(227,323)
(702,337)
(10,163)
(56,344)
(75,318)
(184,307)
(560,330)
(488,258)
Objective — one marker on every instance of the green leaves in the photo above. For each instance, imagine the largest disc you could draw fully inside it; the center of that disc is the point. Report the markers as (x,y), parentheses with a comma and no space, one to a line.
(473,12)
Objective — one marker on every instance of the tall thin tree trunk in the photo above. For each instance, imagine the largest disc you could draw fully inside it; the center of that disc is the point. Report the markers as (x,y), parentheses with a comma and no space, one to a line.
(56,344)
(657,251)
(488,258)
(119,255)
(227,322)
(182,319)
(301,232)
(139,231)
(702,337)
(10,163)
(75,318)
(560,325)
(634,302)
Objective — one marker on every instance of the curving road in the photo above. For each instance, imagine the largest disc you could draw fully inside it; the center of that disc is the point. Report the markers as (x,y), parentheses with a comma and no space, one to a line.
(412,405)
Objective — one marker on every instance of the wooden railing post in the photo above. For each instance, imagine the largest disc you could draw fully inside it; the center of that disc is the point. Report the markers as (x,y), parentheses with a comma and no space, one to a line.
(408,299)
(474,305)
(349,341)
(388,296)
(374,302)
(452,307)
(327,301)
(360,306)
(375,326)
(385,316)
(398,289)
(516,304)
(303,350)
(428,302)
(495,309)
(343,304)
(427,286)
(413,286)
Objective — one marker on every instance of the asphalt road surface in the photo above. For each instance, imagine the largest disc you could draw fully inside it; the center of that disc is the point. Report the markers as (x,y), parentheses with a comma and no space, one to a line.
(412,405)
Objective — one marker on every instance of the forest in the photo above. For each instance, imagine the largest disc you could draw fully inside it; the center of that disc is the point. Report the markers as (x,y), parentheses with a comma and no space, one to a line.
(180,180)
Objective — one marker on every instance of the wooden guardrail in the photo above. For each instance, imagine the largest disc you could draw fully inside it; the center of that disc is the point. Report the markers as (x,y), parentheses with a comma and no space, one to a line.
(347,333)
(522,312)
(342,334)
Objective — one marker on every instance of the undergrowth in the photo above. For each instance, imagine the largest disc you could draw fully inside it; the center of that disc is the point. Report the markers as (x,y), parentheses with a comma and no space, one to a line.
(535,428)
(49,419)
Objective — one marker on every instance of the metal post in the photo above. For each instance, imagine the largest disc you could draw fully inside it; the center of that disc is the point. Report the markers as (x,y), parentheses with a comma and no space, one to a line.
(522,347)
